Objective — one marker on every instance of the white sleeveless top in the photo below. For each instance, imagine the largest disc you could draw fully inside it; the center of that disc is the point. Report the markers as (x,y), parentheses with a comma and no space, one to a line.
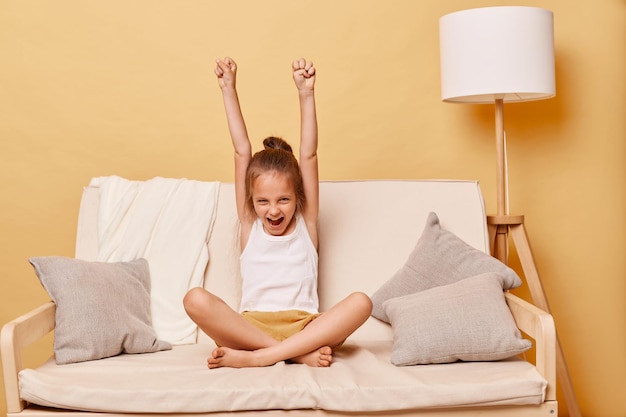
(279,272)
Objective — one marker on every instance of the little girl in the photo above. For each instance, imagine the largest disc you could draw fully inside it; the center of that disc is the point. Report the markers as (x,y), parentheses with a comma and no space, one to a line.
(277,206)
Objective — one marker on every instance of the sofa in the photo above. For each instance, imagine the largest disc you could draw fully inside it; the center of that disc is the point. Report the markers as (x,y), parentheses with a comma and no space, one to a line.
(446,336)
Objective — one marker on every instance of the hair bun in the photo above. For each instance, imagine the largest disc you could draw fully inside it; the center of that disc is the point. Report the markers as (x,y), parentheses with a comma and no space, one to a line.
(273,142)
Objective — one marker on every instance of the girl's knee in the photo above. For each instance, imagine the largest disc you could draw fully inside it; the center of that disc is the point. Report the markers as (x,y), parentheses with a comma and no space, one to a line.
(195,299)
(362,302)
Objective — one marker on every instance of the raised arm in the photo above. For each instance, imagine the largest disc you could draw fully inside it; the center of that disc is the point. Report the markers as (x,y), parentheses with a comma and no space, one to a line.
(226,71)
(304,78)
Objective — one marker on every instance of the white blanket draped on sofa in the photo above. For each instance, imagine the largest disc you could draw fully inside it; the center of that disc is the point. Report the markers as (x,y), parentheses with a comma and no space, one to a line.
(168,222)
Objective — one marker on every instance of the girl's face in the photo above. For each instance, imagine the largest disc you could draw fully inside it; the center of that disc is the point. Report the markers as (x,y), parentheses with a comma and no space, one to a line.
(274,200)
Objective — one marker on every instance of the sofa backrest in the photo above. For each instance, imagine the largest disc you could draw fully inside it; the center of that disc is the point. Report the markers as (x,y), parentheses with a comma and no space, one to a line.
(367,231)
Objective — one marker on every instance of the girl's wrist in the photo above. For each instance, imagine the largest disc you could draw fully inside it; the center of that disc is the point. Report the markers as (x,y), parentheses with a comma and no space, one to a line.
(306,92)
(229,88)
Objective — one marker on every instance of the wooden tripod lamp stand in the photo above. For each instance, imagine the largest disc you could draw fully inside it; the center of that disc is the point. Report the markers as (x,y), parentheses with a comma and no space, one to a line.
(497,55)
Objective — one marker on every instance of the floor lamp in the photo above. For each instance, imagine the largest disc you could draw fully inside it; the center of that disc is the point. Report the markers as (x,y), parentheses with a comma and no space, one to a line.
(497,55)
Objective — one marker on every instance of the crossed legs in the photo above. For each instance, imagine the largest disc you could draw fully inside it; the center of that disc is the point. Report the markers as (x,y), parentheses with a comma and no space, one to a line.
(244,345)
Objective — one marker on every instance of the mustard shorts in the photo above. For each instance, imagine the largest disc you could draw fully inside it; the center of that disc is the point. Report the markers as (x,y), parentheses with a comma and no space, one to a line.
(280,324)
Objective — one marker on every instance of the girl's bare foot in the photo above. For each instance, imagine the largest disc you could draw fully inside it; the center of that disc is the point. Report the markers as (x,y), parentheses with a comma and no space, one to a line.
(233,358)
(321,357)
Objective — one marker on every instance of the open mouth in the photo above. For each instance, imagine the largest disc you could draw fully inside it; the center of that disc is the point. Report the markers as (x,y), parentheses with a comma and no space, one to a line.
(275,222)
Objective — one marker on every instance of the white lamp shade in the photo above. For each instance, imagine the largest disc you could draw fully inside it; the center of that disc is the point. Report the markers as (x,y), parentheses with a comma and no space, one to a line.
(497,53)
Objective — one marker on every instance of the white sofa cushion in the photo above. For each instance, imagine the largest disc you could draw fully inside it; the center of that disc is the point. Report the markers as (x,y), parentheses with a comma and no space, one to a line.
(361,379)
(367,231)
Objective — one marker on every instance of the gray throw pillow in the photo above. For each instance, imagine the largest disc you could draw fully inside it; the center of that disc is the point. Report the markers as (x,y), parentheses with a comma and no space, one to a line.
(439,258)
(465,321)
(102,309)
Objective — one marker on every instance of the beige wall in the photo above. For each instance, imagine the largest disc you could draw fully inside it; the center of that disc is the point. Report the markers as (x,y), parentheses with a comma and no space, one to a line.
(90,88)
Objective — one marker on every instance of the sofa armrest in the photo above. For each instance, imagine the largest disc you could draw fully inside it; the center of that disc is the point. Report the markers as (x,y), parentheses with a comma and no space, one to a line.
(539,325)
(14,337)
